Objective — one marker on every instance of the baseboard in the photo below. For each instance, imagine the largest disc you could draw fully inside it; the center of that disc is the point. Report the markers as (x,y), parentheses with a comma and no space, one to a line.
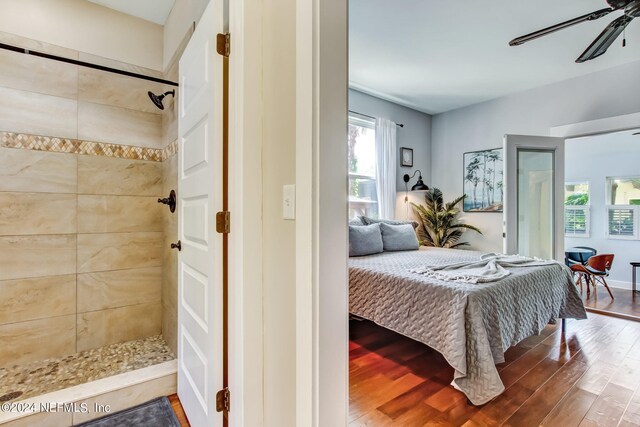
(619,284)
(118,392)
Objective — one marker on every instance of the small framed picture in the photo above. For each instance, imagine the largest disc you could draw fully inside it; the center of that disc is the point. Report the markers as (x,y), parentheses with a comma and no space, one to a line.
(406,155)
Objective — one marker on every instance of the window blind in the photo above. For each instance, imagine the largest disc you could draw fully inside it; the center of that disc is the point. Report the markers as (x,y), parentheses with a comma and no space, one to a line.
(576,221)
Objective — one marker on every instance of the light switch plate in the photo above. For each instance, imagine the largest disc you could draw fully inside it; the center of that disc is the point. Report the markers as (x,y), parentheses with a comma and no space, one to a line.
(289,201)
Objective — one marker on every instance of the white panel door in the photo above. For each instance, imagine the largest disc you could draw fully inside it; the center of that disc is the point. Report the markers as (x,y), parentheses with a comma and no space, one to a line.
(534,196)
(199,198)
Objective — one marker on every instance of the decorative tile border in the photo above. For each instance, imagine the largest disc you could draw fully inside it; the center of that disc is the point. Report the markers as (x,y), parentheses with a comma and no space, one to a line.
(170,150)
(75,146)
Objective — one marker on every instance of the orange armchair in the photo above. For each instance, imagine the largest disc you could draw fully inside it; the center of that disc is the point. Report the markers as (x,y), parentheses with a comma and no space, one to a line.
(597,269)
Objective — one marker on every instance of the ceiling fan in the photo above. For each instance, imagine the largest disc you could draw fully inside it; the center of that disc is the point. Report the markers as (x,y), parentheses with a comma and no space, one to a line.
(605,39)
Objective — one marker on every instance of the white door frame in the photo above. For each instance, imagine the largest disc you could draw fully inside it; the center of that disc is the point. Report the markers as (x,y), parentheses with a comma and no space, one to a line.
(512,144)
(321,214)
(245,204)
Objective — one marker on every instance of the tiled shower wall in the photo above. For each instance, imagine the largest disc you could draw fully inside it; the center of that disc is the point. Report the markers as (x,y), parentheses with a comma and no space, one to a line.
(81,233)
(169,220)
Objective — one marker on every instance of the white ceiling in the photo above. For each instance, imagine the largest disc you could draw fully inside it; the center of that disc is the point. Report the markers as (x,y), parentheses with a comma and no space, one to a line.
(435,55)
(150,10)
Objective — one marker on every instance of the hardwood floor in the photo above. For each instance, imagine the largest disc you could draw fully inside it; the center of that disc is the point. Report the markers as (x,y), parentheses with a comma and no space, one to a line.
(624,302)
(589,377)
(177,408)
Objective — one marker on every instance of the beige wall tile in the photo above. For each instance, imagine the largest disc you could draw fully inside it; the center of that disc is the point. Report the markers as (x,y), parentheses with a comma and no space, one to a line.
(30,299)
(117,125)
(112,214)
(169,123)
(111,289)
(101,87)
(40,75)
(107,62)
(107,175)
(37,171)
(23,342)
(118,251)
(26,43)
(37,256)
(35,113)
(170,260)
(98,328)
(37,213)
(128,397)
(170,329)
(170,182)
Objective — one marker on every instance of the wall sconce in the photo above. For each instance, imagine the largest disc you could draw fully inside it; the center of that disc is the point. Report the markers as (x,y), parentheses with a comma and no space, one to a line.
(418,186)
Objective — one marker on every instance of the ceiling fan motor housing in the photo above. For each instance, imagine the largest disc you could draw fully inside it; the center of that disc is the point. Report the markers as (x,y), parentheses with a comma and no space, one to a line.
(619,4)
(633,9)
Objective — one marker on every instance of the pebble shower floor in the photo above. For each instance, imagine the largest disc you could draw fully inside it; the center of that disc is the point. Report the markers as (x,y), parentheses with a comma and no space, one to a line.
(33,379)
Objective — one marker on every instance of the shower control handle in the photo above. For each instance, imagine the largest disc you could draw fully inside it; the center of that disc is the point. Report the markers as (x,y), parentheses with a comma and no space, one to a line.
(177,246)
(170,201)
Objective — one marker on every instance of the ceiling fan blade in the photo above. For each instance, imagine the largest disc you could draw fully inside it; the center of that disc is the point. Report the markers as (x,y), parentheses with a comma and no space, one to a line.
(536,34)
(605,39)
(637,133)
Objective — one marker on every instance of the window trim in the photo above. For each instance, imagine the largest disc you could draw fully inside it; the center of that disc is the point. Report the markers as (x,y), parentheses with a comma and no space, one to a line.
(586,208)
(587,214)
(607,189)
(369,123)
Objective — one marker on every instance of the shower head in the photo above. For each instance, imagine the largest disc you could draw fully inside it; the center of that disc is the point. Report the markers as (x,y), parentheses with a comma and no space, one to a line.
(157,99)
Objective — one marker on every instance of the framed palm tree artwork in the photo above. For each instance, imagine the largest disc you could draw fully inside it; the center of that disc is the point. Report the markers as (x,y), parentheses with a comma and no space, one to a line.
(483,181)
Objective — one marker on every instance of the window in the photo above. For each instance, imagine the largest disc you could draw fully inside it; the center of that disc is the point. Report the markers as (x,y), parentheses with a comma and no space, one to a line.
(623,191)
(622,222)
(623,207)
(577,207)
(363,199)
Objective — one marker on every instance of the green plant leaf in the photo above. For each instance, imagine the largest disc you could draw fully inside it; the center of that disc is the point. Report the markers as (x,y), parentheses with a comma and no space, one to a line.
(438,221)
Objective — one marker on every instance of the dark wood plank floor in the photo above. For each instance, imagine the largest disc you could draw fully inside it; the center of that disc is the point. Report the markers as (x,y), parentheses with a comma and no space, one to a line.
(624,302)
(177,408)
(589,377)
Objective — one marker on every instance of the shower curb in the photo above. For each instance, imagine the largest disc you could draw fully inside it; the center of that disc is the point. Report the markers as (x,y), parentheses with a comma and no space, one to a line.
(79,402)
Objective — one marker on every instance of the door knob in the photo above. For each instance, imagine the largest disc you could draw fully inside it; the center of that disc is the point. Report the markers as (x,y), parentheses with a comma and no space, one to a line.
(170,201)
(177,246)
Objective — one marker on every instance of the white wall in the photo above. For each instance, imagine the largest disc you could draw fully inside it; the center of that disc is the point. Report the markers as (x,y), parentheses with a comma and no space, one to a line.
(279,236)
(415,134)
(179,22)
(593,159)
(86,27)
(608,93)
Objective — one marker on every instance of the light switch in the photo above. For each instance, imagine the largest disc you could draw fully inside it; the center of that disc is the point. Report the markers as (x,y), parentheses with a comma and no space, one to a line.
(289,202)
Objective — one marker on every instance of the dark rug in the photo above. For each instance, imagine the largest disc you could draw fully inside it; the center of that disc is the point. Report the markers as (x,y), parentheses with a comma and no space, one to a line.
(155,413)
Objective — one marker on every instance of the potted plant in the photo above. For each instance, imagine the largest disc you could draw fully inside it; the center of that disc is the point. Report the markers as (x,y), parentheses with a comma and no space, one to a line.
(439,226)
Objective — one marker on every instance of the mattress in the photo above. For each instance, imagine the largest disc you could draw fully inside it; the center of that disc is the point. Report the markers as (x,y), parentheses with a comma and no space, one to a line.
(471,325)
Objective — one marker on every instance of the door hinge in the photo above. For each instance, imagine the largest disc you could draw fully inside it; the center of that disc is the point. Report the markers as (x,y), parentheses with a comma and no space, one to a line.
(223,222)
(223,400)
(223,44)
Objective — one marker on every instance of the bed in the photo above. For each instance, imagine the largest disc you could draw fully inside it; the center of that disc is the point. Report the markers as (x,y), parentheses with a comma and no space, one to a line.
(471,325)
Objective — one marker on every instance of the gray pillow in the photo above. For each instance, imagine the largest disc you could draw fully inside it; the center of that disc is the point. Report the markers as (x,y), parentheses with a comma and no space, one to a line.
(356,221)
(365,240)
(368,221)
(399,237)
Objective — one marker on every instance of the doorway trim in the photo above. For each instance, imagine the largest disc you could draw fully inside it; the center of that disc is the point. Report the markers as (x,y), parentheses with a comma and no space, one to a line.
(246,362)
(321,213)
(596,127)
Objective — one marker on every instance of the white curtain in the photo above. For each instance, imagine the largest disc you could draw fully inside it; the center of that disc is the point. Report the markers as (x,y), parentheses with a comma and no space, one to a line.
(386,160)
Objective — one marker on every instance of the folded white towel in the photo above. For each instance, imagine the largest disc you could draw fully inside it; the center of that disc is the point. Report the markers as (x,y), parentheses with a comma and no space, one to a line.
(490,267)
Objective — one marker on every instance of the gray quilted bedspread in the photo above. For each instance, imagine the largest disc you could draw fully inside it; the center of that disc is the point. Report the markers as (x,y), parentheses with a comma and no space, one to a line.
(471,325)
